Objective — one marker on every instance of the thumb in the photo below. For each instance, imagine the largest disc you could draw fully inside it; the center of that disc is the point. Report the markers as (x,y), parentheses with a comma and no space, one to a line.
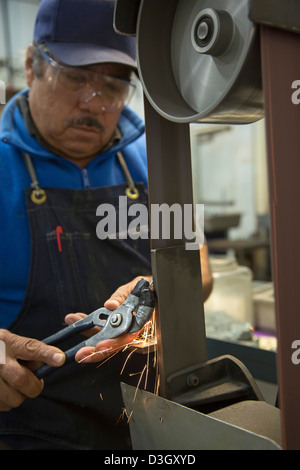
(121,294)
(29,349)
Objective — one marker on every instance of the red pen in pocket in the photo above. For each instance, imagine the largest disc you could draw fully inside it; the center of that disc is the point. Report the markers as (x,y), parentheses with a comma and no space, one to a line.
(59,230)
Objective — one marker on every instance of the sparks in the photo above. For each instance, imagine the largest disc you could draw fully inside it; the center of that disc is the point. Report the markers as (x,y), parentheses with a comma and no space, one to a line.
(127,360)
(145,343)
(139,382)
(129,417)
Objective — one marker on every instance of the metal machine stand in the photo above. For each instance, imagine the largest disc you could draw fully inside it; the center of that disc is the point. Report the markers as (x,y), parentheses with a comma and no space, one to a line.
(214,404)
(203,404)
(176,270)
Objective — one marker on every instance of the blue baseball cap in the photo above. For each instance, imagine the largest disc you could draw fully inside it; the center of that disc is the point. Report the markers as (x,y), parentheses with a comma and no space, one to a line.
(81,32)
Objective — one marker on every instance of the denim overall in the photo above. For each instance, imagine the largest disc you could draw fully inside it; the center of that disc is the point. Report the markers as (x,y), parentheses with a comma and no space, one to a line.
(72,270)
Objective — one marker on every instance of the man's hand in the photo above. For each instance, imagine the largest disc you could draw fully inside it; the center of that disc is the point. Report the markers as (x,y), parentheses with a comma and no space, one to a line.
(107,347)
(23,355)
(121,294)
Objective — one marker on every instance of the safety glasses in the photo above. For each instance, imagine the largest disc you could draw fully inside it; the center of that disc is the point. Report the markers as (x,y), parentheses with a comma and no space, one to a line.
(113,92)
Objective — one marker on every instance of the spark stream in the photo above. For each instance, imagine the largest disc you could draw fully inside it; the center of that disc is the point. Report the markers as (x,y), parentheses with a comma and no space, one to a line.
(120,223)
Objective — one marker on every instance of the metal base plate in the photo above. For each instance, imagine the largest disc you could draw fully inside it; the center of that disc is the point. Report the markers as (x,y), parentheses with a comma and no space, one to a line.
(159,424)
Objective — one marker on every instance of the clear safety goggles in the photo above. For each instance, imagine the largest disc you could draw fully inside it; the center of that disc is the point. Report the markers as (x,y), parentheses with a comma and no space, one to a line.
(114,92)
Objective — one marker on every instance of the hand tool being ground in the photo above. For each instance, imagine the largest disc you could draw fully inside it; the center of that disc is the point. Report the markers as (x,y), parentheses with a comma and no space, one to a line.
(130,317)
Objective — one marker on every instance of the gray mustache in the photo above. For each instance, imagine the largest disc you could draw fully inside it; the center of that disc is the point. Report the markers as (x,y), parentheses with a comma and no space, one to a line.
(86,121)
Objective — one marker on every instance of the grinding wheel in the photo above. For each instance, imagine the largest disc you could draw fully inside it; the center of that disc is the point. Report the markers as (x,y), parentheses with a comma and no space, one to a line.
(199,60)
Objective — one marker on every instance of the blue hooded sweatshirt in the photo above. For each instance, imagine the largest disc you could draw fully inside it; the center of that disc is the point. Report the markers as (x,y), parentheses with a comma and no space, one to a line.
(52,171)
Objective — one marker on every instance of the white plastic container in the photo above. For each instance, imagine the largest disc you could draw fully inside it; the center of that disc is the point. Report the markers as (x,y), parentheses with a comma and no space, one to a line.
(232,290)
(264,308)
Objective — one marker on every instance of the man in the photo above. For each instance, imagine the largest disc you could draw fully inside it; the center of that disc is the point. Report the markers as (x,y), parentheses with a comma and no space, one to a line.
(68,144)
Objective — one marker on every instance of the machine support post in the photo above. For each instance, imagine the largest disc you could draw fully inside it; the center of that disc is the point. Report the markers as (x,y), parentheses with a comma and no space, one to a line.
(176,270)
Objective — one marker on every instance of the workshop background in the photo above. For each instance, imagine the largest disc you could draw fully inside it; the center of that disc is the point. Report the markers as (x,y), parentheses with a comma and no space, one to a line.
(230,179)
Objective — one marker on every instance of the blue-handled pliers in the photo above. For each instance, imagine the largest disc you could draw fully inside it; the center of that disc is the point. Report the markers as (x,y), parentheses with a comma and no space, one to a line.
(130,317)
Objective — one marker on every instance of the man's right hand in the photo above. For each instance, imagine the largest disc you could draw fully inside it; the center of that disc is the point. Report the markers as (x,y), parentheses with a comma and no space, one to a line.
(23,355)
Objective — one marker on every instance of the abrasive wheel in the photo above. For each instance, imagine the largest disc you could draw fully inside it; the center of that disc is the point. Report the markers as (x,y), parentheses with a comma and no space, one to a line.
(199,60)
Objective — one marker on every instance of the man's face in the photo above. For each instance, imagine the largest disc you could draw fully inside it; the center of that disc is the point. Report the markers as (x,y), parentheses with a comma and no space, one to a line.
(75,127)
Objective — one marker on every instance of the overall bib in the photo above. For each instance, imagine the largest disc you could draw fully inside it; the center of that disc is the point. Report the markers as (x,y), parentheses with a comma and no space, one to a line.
(72,270)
